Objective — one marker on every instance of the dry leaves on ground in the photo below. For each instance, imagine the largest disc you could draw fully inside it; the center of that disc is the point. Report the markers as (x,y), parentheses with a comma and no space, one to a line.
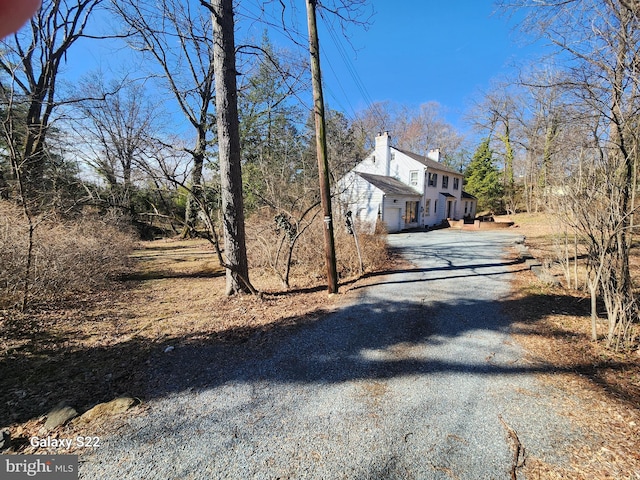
(602,388)
(96,347)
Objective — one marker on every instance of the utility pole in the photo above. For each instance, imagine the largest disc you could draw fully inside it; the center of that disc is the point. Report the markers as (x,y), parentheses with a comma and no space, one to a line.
(321,142)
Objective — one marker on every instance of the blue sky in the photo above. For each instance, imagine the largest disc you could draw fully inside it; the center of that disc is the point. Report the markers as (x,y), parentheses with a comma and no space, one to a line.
(414,51)
(425,50)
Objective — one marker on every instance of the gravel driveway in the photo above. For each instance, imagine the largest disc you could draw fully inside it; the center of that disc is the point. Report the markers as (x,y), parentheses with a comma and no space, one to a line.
(418,378)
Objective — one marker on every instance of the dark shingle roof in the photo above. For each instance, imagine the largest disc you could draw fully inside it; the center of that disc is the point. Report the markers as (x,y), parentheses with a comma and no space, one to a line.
(427,162)
(468,195)
(389,185)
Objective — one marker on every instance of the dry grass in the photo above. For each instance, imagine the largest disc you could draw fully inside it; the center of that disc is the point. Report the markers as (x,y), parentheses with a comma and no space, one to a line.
(307,266)
(95,346)
(602,387)
(68,256)
(546,240)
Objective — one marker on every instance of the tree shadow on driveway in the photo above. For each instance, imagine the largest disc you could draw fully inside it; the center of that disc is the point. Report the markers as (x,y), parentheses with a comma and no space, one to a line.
(468,271)
(373,338)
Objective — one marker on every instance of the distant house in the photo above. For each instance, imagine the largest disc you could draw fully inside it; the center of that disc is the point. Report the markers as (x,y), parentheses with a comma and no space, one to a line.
(404,190)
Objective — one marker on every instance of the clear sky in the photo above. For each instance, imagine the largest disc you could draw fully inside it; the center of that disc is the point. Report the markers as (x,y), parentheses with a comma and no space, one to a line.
(418,51)
(414,51)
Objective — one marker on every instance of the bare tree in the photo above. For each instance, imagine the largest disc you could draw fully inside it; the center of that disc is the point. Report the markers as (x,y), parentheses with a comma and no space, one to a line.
(376,118)
(422,129)
(600,39)
(118,132)
(415,129)
(176,36)
(548,128)
(30,62)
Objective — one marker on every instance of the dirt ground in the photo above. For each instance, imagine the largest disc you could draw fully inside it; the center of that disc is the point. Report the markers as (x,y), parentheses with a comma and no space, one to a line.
(96,347)
(602,387)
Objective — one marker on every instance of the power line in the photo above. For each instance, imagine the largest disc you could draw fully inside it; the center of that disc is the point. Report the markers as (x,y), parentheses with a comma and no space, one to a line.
(353,111)
(351,69)
(262,15)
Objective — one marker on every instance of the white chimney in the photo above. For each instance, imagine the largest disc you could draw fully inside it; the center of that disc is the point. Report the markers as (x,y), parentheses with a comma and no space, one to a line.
(434,155)
(383,152)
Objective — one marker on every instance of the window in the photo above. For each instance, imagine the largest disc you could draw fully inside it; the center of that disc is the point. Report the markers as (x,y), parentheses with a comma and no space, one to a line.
(427,207)
(445,181)
(413,178)
(411,215)
(466,208)
(433,179)
(456,183)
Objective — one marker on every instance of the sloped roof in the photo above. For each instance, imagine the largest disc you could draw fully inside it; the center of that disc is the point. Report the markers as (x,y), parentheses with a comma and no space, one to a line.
(389,185)
(468,195)
(427,162)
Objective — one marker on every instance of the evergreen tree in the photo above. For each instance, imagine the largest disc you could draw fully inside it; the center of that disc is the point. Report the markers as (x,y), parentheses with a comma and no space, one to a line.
(271,144)
(483,179)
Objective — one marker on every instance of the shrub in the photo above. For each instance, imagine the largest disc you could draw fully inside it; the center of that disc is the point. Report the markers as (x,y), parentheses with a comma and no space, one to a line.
(68,256)
(308,264)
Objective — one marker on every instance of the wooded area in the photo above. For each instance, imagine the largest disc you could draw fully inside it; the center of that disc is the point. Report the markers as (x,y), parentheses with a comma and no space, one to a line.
(210,135)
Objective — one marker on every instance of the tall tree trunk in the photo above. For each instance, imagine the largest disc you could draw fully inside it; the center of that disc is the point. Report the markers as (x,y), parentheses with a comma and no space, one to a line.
(195,195)
(229,147)
(509,180)
(623,158)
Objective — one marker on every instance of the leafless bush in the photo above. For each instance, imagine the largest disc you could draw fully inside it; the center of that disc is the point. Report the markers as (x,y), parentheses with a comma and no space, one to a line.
(567,251)
(374,249)
(67,257)
(264,239)
(13,245)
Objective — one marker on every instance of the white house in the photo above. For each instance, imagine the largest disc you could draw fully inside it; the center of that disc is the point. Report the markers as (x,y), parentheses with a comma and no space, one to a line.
(404,190)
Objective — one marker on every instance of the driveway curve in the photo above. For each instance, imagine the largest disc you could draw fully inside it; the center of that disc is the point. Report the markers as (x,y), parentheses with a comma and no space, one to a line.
(417,378)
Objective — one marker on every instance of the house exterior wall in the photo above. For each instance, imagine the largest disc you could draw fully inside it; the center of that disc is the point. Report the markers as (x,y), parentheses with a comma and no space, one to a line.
(402,168)
(393,202)
(468,208)
(369,204)
(361,198)
(432,212)
(389,161)
(433,195)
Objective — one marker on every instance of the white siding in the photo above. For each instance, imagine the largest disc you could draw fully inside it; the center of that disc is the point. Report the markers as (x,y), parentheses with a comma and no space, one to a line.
(361,198)
(372,164)
(366,201)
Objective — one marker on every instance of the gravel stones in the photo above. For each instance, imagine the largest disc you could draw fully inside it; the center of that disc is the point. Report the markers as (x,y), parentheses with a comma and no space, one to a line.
(416,378)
